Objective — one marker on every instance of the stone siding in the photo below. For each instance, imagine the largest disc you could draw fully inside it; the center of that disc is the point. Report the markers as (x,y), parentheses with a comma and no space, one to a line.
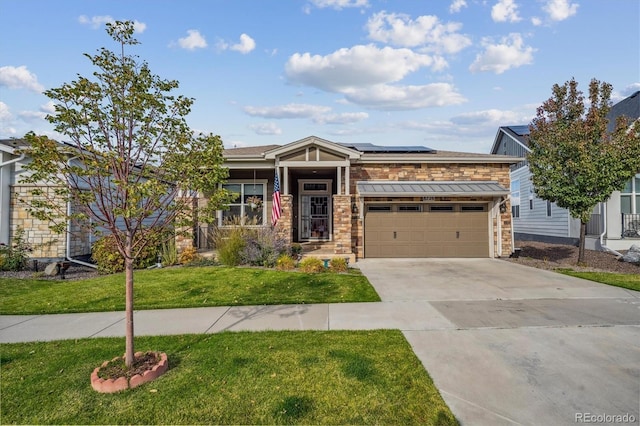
(342,224)
(284,227)
(45,242)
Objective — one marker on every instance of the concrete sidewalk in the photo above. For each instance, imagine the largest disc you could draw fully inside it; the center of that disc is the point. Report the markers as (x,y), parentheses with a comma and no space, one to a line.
(345,316)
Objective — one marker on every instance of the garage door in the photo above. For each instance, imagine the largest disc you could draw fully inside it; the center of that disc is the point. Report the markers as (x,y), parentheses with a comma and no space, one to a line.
(427,234)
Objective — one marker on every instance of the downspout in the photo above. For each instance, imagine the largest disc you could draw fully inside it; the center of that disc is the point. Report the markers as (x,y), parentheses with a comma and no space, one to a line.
(68,239)
(603,208)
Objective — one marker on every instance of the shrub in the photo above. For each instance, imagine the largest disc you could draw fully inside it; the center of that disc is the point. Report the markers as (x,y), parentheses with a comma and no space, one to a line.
(109,261)
(311,265)
(14,257)
(189,255)
(230,244)
(263,247)
(168,252)
(295,249)
(338,264)
(285,263)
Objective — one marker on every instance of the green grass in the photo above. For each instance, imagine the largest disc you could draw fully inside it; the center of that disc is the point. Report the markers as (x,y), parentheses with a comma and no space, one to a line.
(311,377)
(629,281)
(183,288)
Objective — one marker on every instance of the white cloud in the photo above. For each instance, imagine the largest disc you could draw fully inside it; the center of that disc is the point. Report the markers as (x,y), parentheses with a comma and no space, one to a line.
(287,111)
(505,11)
(631,89)
(339,4)
(5,113)
(457,5)
(343,118)
(96,22)
(536,21)
(32,115)
(509,53)
(266,129)
(358,66)
(49,107)
(491,117)
(19,78)
(427,31)
(387,97)
(246,45)
(559,10)
(194,40)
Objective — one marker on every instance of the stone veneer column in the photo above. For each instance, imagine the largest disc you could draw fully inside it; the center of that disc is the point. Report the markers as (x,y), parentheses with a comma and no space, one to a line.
(342,224)
(284,227)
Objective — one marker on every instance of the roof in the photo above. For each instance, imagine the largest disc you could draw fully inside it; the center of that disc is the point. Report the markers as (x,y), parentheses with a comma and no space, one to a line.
(10,145)
(629,107)
(430,189)
(371,148)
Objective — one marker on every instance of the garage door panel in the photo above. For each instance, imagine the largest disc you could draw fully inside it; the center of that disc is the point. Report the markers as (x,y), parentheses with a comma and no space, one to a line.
(427,234)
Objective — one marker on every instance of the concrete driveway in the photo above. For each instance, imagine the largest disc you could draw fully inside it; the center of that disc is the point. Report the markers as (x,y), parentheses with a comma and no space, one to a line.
(518,345)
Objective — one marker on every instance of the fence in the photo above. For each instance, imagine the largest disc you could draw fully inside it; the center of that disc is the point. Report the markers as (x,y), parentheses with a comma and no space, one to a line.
(630,225)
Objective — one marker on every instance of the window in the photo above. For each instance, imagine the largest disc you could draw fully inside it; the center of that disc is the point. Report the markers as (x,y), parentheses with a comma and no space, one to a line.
(247,207)
(630,196)
(531,198)
(315,187)
(548,208)
(378,208)
(472,208)
(437,208)
(515,198)
(410,208)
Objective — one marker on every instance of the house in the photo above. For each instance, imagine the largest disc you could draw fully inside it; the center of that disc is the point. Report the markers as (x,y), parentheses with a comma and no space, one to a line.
(14,213)
(368,201)
(614,224)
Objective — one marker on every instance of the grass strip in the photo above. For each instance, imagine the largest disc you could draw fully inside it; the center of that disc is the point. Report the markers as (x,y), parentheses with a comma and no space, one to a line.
(290,377)
(183,287)
(628,281)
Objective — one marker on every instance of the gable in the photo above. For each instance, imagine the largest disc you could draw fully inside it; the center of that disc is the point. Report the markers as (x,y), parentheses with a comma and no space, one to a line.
(312,149)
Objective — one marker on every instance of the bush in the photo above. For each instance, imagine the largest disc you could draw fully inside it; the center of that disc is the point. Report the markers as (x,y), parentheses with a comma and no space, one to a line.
(295,249)
(311,265)
(338,264)
(230,244)
(109,261)
(168,252)
(285,263)
(189,255)
(14,257)
(263,247)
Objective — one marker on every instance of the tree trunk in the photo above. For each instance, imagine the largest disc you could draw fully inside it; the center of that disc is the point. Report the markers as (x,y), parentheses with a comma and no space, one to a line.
(128,356)
(583,233)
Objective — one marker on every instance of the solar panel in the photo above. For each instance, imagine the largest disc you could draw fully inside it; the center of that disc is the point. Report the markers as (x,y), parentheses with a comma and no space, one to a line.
(368,147)
(520,130)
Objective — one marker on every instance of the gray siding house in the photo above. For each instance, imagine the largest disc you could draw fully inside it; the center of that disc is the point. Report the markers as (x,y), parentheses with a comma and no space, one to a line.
(614,224)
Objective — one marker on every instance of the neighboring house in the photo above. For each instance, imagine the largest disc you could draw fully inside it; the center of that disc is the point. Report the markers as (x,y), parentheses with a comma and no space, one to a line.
(14,213)
(615,224)
(368,201)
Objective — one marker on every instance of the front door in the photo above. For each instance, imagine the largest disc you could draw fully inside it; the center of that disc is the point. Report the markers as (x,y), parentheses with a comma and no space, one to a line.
(315,210)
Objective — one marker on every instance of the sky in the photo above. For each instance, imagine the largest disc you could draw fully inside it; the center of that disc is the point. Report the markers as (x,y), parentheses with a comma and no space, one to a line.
(438,73)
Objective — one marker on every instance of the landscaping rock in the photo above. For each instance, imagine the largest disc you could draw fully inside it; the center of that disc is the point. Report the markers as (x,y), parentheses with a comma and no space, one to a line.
(633,255)
(51,269)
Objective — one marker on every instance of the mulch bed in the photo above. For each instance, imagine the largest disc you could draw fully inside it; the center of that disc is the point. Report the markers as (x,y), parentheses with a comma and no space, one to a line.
(554,256)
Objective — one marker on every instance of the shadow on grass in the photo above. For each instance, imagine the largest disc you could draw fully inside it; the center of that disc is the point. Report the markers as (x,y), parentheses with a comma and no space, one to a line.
(293,408)
(355,366)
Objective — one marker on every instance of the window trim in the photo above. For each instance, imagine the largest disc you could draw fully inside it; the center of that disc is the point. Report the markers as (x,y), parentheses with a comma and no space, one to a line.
(242,204)
(515,207)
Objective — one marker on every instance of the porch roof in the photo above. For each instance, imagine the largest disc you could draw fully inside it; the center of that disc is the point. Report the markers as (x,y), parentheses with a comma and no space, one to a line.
(431,189)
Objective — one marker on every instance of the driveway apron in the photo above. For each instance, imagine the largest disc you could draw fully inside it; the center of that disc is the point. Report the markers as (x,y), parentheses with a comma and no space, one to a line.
(526,346)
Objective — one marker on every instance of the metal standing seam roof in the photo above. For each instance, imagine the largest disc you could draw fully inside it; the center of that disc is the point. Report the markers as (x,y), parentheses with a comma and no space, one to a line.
(430,189)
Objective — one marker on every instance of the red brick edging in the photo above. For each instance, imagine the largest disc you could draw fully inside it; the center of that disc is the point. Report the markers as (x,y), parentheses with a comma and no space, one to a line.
(121,383)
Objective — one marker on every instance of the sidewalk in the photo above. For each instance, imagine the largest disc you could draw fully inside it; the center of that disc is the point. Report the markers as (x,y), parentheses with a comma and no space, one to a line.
(338,316)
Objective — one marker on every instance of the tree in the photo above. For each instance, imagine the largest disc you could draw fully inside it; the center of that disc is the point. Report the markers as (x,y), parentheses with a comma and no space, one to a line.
(133,167)
(574,161)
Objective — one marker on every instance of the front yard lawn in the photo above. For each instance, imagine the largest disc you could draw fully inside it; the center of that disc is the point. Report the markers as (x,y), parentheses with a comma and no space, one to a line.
(185,287)
(629,281)
(310,377)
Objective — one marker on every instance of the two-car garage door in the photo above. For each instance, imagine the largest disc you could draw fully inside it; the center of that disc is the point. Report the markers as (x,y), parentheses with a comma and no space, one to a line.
(456,233)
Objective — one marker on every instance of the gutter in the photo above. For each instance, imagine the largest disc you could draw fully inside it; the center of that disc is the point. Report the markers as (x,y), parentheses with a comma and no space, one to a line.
(603,208)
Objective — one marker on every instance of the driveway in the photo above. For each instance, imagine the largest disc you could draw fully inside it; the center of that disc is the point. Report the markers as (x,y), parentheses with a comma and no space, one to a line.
(509,344)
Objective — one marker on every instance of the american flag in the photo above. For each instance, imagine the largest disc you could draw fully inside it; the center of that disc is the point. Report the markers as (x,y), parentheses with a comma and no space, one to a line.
(275,209)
